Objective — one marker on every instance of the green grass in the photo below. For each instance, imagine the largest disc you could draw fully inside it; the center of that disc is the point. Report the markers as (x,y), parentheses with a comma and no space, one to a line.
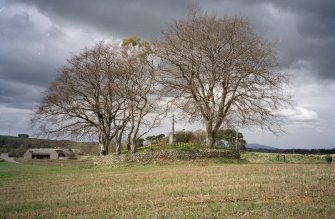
(257,187)
(253,157)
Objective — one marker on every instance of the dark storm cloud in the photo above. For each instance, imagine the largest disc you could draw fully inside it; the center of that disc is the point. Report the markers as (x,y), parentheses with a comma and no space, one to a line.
(314,21)
(315,42)
(32,49)
(315,18)
(119,18)
(18,95)
(29,71)
(23,45)
(316,25)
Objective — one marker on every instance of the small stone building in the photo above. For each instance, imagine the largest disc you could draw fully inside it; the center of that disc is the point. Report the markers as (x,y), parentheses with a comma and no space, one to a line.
(43,153)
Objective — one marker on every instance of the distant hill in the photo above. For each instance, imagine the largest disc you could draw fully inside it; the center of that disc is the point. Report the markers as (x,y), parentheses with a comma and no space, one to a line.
(268,149)
(259,146)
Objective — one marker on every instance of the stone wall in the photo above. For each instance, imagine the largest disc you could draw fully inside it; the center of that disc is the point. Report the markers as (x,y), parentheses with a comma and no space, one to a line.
(165,155)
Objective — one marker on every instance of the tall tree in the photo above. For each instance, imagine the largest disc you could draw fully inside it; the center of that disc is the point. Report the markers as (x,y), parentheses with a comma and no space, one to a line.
(87,97)
(217,69)
(143,100)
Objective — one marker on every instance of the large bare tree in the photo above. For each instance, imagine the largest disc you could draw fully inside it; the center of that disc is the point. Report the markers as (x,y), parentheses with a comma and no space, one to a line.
(105,90)
(218,70)
(87,97)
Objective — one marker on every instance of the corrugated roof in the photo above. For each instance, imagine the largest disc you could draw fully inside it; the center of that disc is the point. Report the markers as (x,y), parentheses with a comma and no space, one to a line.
(44,151)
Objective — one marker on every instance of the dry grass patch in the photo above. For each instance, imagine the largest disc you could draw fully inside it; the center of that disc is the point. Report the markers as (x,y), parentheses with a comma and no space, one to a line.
(185,190)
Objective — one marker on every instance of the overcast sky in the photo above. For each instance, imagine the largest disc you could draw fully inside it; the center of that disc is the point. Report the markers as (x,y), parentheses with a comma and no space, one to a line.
(37,36)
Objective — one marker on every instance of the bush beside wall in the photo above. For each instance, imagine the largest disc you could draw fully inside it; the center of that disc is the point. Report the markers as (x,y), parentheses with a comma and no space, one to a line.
(329,159)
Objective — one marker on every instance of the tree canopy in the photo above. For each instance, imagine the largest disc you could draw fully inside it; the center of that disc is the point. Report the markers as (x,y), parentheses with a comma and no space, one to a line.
(102,91)
(219,71)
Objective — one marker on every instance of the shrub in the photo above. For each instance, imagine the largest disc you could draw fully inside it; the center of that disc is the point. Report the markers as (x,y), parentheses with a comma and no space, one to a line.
(181,146)
(13,153)
(329,159)
(183,136)
(154,139)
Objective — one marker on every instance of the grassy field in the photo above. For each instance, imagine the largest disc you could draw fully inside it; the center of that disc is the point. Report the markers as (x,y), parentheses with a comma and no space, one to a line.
(259,186)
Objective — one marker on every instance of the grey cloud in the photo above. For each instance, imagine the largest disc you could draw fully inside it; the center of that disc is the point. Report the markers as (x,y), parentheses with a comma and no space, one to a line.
(317,17)
(315,42)
(318,53)
(18,95)
(34,43)
(305,28)
(32,49)
(8,125)
(23,48)
(121,18)
(312,19)
(30,71)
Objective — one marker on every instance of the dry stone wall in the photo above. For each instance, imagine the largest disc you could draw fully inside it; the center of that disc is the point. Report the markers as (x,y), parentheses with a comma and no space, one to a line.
(153,156)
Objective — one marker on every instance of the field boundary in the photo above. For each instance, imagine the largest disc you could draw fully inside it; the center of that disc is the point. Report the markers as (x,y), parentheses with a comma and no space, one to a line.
(153,156)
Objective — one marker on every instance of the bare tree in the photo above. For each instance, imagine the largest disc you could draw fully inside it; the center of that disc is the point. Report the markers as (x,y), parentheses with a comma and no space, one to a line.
(104,90)
(218,70)
(142,96)
(87,97)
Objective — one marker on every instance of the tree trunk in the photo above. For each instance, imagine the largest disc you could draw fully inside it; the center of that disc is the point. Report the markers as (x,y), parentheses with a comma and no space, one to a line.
(118,139)
(118,144)
(133,146)
(107,147)
(210,135)
(133,136)
(118,147)
(103,143)
(102,149)
(129,143)
(210,139)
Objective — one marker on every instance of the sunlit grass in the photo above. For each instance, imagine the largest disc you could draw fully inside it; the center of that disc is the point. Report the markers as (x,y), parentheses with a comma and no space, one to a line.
(195,189)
